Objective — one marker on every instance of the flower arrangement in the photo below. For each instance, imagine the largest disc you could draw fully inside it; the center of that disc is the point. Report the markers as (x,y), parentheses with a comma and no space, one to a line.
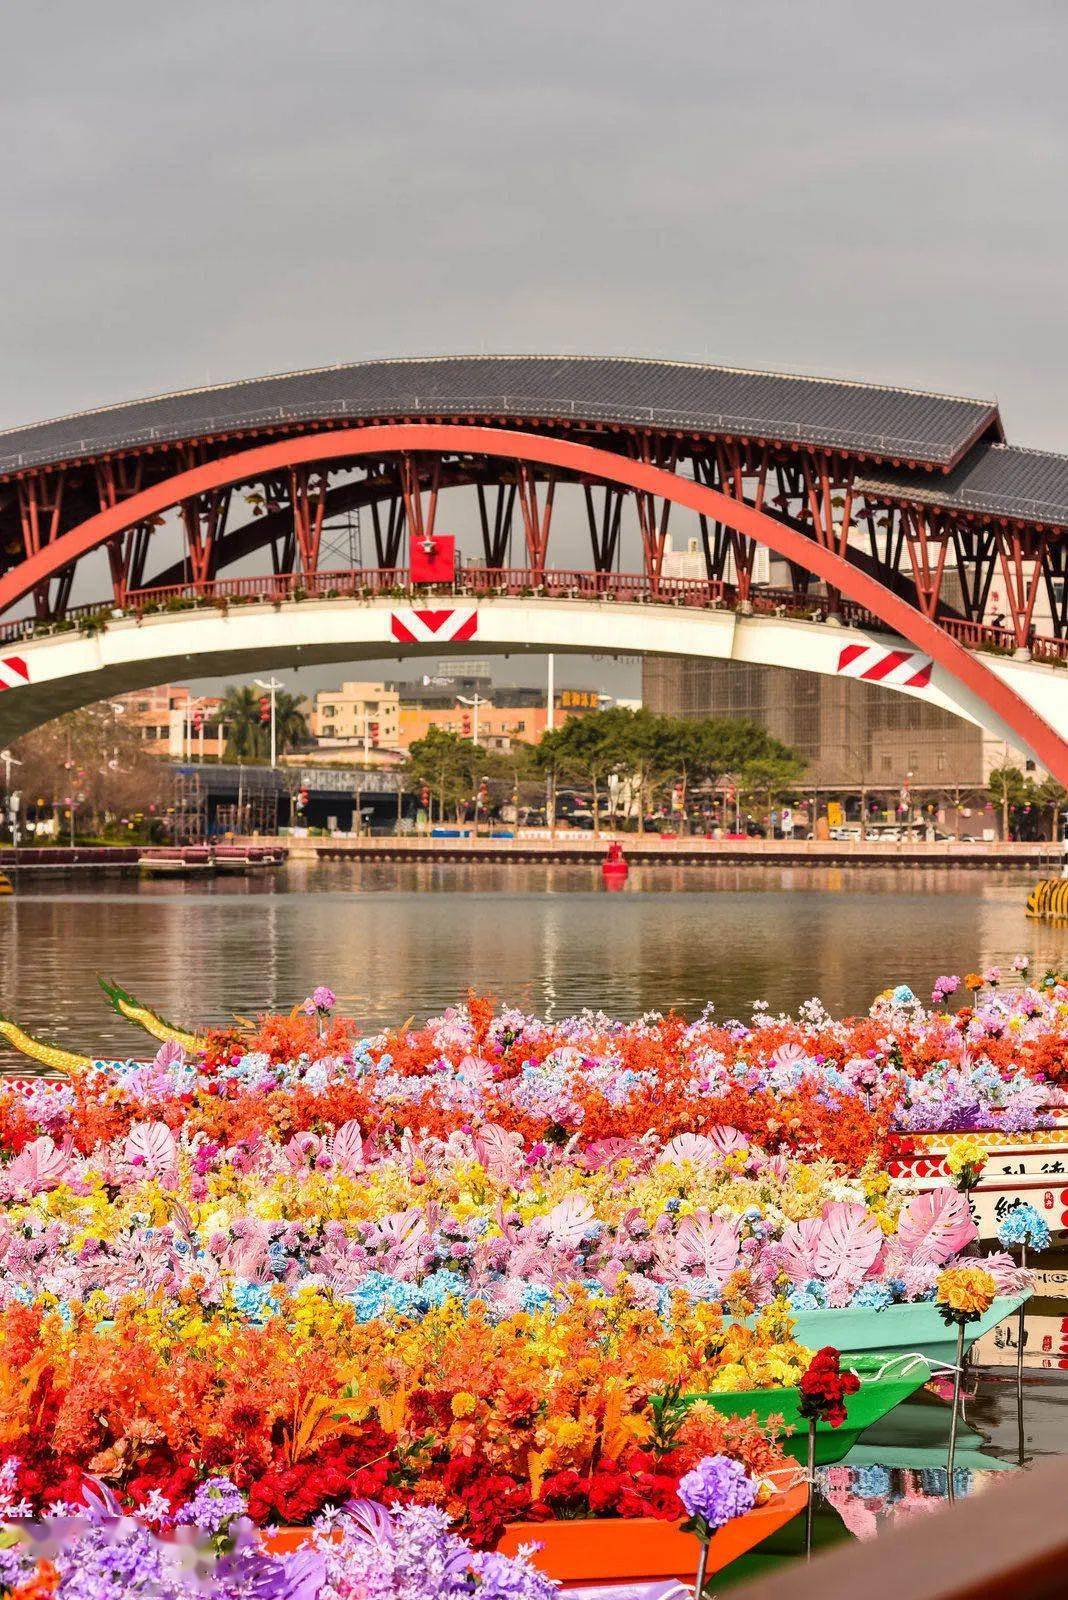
(1023,1225)
(455,1266)
(94,1552)
(824,1388)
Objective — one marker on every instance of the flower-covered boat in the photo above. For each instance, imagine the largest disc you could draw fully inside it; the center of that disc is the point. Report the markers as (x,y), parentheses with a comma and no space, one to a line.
(465,1265)
(884,1382)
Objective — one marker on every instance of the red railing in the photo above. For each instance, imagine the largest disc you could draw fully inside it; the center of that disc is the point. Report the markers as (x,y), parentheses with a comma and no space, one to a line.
(366,583)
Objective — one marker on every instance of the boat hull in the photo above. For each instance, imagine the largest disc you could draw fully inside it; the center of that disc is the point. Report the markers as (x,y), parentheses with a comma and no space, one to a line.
(612,1549)
(876,1397)
(915,1328)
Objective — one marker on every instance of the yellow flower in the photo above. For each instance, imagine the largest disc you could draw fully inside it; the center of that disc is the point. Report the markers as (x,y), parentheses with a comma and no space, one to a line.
(967,1152)
(463,1404)
(968,1292)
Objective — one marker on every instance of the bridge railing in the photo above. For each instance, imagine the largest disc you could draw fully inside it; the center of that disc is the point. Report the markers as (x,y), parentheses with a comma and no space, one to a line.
(632,587)
(364,582)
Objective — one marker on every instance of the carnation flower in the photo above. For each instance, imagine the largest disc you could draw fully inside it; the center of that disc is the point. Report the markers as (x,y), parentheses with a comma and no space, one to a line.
(824,1387)
(965,1161)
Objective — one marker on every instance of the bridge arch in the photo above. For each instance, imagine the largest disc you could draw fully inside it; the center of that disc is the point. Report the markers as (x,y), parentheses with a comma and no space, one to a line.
(1004,705)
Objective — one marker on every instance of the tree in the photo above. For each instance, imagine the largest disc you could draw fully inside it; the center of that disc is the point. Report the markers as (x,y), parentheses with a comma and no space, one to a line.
(773,776)
(240,713)
(1009,787)
(1054,795)
(94,761)
(291,725)
(449,766)
(248,737)
(587,749)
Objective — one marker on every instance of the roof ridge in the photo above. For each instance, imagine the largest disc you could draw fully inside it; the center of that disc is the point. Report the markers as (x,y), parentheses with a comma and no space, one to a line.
(392,361)
(1023,450)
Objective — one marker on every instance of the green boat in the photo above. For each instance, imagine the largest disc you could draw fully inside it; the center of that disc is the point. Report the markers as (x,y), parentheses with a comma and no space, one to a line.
(915,1328)
(885,1380)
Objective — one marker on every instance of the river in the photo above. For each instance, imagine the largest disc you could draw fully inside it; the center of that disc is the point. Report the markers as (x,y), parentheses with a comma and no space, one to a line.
(396,941)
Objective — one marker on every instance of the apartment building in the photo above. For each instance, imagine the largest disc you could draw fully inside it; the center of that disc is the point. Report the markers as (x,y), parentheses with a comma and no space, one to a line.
(358,713)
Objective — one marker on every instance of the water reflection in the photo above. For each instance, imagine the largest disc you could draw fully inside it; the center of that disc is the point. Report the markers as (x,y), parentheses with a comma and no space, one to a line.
(398,940)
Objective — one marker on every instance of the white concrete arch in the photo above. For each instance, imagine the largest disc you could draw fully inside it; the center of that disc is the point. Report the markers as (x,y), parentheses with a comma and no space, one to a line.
(42,678)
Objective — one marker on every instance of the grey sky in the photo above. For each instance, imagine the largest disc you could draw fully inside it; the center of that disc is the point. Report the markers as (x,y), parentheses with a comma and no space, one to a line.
(229,187)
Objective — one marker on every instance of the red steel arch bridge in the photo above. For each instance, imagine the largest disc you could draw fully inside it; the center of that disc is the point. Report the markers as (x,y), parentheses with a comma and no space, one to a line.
(199,530)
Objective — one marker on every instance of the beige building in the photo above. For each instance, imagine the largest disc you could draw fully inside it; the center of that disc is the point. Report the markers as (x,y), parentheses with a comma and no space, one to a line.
(358,713)
(851,734)
(174,723)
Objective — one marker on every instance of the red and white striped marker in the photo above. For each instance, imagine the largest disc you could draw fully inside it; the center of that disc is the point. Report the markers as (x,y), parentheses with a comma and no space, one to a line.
(433,627)
(904,669)
(13,672)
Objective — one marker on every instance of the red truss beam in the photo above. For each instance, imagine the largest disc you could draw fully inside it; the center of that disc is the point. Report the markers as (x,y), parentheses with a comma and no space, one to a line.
(40,510)
(307,499)
(921,533)
(537,519)
(663,453)
(575,460)
(1022,560)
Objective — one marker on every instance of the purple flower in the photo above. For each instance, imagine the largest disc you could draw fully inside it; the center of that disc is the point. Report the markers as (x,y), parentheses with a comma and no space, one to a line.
(716,1491)
(215,1504)
(323,999)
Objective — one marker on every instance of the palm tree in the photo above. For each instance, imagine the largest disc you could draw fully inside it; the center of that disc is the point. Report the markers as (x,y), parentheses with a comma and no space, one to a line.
(240,713)
(248,737)
(291,727)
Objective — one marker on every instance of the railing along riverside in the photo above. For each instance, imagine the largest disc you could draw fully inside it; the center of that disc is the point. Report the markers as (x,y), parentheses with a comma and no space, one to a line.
(362,583)
(1011,1540)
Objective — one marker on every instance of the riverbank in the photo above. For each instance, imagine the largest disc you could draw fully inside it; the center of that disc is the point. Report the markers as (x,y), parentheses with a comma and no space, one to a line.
(532,847)
(654,849)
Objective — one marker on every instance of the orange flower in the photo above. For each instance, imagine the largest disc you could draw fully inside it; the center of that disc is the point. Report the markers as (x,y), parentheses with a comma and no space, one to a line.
(965,1293)
(973,981)
(45,1581)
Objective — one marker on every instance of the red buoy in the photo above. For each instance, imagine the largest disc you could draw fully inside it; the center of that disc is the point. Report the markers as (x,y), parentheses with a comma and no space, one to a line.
(614,868)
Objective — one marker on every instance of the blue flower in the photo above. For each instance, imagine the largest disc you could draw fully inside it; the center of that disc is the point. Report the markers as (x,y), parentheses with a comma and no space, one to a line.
(872,1297)
(1024,1225)
(536,1297)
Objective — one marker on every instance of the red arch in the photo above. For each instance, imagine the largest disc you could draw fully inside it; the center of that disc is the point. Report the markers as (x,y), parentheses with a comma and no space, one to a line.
(392,438)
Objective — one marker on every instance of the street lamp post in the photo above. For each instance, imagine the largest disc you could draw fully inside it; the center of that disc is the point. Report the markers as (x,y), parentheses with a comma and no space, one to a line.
(273,685)
(475,702)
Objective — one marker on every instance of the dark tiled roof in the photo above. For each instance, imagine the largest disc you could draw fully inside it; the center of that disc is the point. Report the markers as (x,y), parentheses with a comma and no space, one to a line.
(931,429)
(999,480)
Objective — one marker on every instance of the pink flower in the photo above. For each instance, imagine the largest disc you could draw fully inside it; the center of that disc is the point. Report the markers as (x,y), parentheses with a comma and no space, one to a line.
(323,999)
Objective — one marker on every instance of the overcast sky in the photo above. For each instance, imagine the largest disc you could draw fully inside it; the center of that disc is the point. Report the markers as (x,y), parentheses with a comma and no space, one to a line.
(224,188)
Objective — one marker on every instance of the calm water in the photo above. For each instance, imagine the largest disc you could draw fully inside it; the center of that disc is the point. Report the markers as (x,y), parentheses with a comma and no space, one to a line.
(397,941)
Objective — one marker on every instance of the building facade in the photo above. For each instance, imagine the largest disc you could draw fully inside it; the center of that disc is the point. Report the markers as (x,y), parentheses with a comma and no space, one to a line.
(852,735)
(174,723)
(364,713)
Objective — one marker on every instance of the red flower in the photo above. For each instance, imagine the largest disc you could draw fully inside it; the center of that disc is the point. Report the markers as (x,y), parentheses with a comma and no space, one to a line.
(824,1387)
